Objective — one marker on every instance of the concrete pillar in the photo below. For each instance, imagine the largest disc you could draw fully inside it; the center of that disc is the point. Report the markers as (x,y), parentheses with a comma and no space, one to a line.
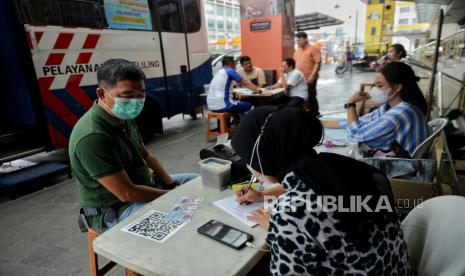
(267,31)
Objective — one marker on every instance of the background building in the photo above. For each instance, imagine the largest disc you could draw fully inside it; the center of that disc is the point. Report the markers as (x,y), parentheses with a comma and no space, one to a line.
(378,26)
(223,24)
(412,23)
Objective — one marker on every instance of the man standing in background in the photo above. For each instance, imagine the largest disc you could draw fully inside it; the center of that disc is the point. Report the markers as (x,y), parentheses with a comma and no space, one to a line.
(308,61)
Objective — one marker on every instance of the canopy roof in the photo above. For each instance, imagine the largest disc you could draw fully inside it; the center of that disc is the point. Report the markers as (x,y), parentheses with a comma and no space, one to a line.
(315,20)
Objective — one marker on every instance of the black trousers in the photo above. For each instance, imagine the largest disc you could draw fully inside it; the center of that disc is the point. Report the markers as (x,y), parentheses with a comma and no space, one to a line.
(295,102)
(288,101)
(312,97)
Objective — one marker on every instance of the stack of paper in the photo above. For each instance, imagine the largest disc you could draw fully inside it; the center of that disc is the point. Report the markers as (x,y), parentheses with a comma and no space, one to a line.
(237,210)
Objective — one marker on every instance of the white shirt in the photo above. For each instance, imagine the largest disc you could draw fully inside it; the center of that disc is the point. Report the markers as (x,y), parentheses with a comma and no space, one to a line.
(218,97)
(299,88)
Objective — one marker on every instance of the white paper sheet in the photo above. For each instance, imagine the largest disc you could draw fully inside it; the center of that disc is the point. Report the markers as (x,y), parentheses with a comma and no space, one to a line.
(240,212)
(248,92)
(336,134)
(243,90)
(15,165)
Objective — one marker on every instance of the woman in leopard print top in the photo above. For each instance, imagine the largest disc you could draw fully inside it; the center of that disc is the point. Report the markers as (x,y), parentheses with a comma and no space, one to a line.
(304,237)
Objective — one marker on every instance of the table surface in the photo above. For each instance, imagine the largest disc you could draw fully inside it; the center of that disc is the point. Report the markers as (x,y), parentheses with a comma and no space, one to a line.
(186,252)
(339,150)
(245,92)
(342,150)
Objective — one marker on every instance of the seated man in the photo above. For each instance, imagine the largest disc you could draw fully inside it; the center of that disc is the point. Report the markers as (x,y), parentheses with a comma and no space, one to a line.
(107,154)
(218,98)
(293,81)
(251,73)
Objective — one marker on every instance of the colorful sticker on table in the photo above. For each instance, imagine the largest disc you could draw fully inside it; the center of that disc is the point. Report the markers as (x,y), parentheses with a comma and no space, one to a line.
(184,209)
(154,226)
(125,15)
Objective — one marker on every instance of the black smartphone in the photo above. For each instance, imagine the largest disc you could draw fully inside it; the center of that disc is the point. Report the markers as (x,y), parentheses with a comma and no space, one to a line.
(225,234)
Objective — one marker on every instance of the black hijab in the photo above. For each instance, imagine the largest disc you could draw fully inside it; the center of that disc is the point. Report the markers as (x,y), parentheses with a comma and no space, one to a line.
(286,144)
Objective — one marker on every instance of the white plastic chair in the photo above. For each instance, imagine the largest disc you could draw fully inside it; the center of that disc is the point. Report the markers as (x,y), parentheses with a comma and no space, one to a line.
(434,233)
(424,149)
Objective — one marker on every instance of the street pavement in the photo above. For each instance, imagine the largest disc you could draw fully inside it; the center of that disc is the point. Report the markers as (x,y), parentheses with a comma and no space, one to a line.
(39,234)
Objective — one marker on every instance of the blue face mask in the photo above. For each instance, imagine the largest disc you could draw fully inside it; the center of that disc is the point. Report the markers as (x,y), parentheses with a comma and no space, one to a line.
(127,108)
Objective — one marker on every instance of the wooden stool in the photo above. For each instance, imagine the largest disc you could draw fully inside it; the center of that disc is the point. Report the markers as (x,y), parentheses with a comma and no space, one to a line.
(93,258)
(222,118)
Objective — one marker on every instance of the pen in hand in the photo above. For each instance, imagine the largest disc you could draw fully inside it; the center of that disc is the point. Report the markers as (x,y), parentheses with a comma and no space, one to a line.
(247,189)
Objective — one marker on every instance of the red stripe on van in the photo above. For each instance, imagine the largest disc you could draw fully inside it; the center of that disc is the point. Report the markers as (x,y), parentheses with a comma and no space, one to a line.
(39,36)
(57,138)
(55,59)
(54,103)
(29,41)
(91,41)
(63,41)
(51,132)
(74,89)
(83,58)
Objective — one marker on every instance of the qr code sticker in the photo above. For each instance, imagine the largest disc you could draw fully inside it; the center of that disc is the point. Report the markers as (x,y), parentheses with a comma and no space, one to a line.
(154,226)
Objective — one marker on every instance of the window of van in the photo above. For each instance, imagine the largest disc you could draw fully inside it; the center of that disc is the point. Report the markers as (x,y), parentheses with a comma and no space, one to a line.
(192,12)
(170,16)
(82,13)
(113,14)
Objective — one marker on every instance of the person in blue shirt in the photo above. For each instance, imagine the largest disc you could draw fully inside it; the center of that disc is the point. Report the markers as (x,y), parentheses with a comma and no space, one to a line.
(219,95)
(400,117)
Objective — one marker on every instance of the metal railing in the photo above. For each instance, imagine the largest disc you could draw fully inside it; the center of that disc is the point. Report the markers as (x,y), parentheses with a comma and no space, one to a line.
(452,50)
(448,92)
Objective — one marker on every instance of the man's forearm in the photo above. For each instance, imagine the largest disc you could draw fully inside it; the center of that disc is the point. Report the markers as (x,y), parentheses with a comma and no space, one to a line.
(142,193)
(284,84)
(250,85)
(158,169)
(276,85)
(352,115)
(330,123)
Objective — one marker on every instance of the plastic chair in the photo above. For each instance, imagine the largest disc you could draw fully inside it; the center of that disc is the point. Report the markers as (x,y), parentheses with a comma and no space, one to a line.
(270,76)
(434,233)
(223,119)
(425,148)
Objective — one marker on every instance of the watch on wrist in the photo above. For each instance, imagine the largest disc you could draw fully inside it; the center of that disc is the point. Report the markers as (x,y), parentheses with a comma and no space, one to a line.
(349,105)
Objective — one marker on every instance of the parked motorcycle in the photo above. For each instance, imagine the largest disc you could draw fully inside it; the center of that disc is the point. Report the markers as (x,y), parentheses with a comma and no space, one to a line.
(357,65)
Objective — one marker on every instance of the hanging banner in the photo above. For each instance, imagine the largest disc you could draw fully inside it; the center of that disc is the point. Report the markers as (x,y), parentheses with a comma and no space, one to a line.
(128,14)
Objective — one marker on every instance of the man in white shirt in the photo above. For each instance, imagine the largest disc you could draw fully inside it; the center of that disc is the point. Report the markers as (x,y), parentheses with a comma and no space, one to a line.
(219,95)
(293,81)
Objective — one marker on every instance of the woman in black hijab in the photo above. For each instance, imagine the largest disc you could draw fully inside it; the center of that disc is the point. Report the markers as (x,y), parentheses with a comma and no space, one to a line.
(305,235)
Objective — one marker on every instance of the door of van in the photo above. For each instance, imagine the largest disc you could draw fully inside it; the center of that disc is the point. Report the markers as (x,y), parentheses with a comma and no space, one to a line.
(174,43)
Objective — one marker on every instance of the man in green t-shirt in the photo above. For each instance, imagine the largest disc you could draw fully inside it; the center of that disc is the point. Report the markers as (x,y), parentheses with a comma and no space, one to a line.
(110,161)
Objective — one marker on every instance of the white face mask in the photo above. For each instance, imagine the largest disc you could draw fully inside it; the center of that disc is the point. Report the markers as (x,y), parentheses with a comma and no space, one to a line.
(381,96)
(262,179)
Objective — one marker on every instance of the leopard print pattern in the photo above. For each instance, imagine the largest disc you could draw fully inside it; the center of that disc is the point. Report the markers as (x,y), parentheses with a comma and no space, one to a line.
(313,243)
